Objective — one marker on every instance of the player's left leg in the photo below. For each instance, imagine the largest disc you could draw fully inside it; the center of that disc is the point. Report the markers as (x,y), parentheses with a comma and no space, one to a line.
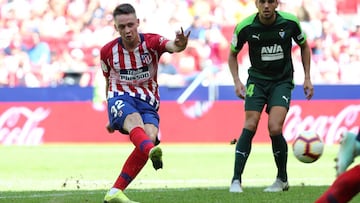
(344,188)
(280,149)
(349,149)
(278,105)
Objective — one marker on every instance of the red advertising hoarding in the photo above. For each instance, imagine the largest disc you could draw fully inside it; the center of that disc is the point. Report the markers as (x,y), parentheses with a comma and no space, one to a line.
(34,123)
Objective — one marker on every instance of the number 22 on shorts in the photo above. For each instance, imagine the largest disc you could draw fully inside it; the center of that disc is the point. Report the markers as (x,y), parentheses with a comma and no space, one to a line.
(116,108)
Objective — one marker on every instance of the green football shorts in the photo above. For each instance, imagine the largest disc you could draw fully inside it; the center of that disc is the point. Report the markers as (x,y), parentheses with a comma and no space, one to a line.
(270,93)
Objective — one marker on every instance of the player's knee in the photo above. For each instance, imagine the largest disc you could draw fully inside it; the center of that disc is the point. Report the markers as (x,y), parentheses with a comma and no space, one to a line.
(274,128)
(133,120)
(251,124)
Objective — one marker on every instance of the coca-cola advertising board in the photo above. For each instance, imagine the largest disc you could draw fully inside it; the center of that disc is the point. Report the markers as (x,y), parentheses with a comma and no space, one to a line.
(34,123)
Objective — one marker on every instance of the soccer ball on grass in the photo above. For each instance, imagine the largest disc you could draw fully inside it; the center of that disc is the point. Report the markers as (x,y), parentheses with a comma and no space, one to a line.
(308,147)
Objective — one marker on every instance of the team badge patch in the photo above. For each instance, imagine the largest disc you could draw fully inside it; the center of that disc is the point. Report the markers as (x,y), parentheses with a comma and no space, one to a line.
(234,40)
(104,66)
(301,36)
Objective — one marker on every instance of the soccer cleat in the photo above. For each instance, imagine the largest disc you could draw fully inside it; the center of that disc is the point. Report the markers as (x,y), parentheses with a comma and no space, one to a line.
(118,197)
(347,152)
(235,187)
(155,156)
(278,186)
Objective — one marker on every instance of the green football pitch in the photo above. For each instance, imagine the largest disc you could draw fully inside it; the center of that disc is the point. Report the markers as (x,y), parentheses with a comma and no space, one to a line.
(192,173)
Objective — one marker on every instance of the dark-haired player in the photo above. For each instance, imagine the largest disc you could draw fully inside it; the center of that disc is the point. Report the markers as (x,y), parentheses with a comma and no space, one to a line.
(269,34)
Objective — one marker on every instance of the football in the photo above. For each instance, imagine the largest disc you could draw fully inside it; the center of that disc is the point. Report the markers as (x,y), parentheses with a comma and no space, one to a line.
(308,147)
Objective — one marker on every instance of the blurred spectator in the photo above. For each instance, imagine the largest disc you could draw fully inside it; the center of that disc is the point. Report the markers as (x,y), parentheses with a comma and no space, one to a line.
(197,30)
(328,68)
(51,42)
(168,74)
(4,72)
(76,70)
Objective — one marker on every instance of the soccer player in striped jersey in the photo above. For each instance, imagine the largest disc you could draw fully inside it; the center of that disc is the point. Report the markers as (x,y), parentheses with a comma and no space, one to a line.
(129,64)
(269,34)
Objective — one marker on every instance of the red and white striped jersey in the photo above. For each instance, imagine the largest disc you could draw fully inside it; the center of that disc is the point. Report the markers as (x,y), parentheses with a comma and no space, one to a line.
(135,72)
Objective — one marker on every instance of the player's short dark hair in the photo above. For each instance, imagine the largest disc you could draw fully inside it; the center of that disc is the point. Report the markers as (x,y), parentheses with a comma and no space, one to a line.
(124,9)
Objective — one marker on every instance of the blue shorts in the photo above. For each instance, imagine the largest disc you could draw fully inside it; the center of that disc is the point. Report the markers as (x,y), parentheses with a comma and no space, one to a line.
(121,106)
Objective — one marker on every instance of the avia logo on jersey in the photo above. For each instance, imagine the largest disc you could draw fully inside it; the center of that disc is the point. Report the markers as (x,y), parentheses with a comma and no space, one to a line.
(135,74)
(272,53)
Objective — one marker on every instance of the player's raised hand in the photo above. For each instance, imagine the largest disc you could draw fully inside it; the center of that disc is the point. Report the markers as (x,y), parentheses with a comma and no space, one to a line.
(308,89)
(181,39)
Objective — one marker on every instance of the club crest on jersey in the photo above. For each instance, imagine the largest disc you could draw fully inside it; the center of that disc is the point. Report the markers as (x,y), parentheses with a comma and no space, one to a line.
(146,58)
(282,33)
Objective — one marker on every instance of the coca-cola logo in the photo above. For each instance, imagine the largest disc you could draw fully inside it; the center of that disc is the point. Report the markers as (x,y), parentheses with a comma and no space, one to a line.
(20,126)
(328,127)
(196,109)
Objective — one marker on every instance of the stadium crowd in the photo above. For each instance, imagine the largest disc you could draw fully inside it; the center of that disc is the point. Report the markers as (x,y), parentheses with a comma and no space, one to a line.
(56,42)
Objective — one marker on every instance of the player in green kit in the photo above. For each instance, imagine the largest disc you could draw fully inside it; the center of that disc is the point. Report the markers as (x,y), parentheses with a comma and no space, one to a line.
(269,34)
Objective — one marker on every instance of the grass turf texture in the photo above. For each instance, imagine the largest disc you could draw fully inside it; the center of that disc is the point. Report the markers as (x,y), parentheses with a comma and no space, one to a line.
(192,173)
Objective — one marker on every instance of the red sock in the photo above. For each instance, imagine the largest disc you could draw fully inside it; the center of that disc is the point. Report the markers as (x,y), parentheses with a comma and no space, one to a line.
(344,188)
(141,140)
(133,165)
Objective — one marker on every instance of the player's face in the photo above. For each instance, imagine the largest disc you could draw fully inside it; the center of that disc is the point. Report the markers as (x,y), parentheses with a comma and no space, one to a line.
(127,26)
(266,9)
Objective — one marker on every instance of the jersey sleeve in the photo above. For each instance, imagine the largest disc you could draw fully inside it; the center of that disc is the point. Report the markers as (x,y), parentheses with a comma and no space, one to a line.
(158,42)
(238,39)
(299,36)
(103,63)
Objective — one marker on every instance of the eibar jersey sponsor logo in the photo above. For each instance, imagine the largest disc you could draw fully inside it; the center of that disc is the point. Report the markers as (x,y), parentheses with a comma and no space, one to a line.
(272,53)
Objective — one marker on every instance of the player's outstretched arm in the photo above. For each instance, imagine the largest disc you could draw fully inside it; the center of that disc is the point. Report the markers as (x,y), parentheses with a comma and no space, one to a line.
(179,43)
